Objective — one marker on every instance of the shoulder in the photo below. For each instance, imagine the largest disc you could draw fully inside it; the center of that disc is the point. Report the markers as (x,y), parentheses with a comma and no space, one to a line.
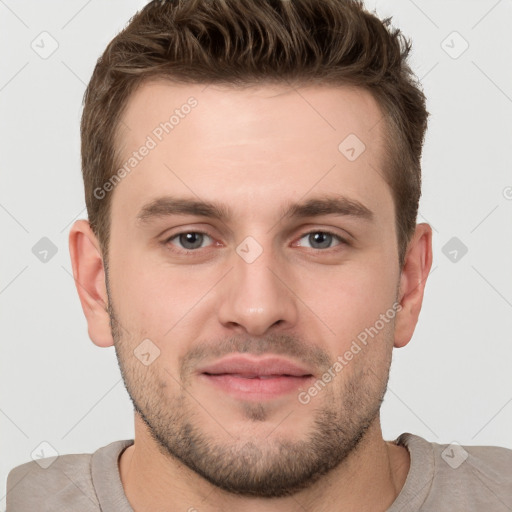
(61,483)
(477,477)
(491,462)
(37,484)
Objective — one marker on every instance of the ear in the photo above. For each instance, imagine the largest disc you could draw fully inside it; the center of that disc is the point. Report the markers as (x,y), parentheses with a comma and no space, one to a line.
(89,274)
(413,278)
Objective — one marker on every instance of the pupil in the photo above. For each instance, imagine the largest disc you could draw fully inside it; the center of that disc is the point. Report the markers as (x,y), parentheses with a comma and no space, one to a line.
(191,240)
(320,238)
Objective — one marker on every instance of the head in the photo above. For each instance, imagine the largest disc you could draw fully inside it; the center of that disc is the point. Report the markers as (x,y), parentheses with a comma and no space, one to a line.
(252,179)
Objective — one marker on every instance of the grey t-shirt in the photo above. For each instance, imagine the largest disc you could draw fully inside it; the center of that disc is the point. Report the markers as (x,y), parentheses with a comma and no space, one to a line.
(441,478)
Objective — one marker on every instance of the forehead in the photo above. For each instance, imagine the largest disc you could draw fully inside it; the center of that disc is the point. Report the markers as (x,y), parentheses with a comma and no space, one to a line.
(258,110)
(251,145)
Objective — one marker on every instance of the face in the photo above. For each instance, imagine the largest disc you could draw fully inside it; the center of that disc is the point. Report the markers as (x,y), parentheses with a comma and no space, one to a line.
(253,277)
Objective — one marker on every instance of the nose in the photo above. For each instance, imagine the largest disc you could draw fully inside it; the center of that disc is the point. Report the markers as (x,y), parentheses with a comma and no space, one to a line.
(256,295)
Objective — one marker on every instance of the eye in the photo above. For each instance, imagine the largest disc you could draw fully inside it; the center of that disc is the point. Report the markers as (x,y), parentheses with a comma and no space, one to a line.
(322,239)
(189,240)
(193,240)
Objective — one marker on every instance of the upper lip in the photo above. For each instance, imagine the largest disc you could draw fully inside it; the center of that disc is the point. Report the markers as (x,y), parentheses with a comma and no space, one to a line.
(255,366)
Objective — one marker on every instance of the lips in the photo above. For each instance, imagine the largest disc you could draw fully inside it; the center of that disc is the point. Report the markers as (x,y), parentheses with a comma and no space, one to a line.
(256,378)
(250,367)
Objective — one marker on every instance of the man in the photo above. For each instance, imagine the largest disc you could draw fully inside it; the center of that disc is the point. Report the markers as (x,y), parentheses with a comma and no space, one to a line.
(252,178)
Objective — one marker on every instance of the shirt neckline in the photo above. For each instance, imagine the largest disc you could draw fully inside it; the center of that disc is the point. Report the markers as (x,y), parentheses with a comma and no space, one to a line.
(112,498)
(107,479)
(420,476)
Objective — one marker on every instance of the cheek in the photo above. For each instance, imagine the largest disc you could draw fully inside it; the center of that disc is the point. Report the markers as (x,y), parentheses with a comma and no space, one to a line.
(139,294)
(352,299)
(156,300)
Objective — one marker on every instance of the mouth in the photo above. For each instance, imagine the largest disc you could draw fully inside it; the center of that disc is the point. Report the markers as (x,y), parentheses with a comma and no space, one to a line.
(256,379)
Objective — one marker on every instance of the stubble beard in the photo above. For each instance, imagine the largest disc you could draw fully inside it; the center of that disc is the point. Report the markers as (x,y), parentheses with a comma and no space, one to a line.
(275,467)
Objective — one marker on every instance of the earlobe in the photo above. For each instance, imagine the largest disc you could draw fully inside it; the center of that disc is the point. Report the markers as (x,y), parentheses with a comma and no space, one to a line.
(417,264)
(89,275)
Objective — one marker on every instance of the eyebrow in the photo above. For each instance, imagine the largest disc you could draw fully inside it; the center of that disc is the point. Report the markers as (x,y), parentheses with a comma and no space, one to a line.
(328,205)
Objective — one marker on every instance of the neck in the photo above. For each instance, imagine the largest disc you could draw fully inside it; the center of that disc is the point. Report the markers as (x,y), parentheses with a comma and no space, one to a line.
(369,479)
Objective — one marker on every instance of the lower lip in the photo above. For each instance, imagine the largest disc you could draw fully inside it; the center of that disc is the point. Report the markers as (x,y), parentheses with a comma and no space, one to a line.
(257,389)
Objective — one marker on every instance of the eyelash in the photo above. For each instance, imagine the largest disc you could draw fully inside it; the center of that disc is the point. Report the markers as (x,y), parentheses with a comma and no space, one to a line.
(341,240)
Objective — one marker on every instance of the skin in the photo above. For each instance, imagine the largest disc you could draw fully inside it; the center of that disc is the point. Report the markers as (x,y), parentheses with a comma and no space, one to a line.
(255,150)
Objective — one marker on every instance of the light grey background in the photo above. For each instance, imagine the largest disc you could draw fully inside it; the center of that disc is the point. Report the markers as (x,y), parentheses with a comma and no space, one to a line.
(451,383)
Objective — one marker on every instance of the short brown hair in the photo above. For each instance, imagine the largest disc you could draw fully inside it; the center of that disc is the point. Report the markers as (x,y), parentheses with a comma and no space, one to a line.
(245,42)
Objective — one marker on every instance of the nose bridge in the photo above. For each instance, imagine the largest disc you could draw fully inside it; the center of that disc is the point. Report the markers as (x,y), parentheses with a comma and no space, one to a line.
(254,297)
